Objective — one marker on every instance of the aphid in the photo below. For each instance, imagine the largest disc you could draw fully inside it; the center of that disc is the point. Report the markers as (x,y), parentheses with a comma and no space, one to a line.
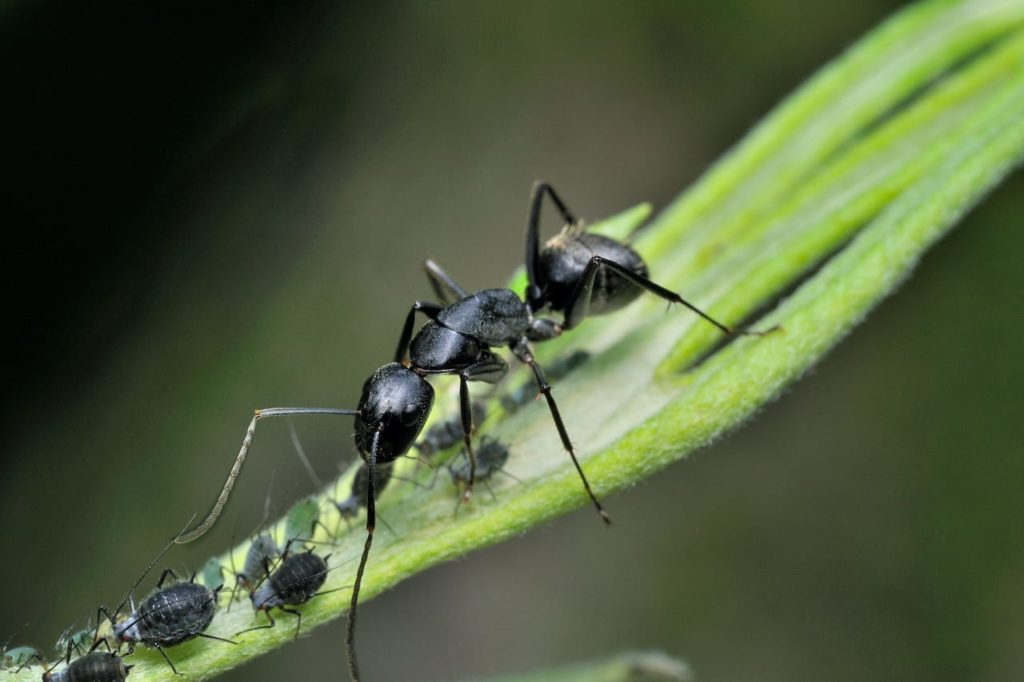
(17,657)
(349,507)
(576,273)
(302,519)
(446,434)
(262,549)
(171,615)
(95,666)
(212,573)
(81,639)
(490,459)
(294,581)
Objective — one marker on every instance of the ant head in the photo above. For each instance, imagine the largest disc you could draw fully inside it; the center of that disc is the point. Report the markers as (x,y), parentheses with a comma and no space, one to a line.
(394,406)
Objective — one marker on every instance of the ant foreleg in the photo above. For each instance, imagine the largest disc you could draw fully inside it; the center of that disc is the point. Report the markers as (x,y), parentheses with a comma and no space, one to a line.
(430,310)
(371,520)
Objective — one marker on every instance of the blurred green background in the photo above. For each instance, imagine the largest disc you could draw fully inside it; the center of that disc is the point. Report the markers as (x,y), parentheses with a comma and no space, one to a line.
(213,209)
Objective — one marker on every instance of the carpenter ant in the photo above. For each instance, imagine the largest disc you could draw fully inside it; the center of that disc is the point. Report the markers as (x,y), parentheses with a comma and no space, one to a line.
(294,581)
(577,273)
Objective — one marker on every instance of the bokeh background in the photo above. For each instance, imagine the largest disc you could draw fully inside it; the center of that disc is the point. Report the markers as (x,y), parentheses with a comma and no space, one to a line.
(213,208)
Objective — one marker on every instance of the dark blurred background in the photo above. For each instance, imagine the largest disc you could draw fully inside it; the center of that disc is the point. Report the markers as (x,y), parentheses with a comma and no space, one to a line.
(213,208)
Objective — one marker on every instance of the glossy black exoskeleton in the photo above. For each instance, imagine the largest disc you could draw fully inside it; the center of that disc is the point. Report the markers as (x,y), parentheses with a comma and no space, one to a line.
(576,273)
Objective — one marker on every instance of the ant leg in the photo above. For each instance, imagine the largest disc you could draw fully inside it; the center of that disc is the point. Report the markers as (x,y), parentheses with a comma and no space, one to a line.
(467,433)
(523,352)
(446,288)
(540,188)
(371,521)
(218,507)
(430,310)
(490,370)
(579,303)
(298,626)
(163,577)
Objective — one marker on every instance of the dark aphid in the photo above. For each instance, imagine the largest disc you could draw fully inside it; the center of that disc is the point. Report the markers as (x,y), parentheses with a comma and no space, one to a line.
(294,581)
(95,666)
(357,499)
(490,459)
(446,434)
(170,616)
(526,392)
(262,550)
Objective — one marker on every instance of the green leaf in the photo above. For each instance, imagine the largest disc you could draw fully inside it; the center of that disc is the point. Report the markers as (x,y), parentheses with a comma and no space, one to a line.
(815,217)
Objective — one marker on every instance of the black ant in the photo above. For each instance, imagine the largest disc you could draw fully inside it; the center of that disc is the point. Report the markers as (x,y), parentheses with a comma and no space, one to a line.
(576,273)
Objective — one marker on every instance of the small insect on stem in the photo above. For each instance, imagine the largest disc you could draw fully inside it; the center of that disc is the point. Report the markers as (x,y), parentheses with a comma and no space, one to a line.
(295,579)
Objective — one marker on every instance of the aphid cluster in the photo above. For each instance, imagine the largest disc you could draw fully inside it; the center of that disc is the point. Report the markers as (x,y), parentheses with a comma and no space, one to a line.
(574,274)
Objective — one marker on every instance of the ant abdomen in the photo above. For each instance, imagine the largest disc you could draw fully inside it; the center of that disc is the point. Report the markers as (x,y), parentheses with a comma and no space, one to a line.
(564,259)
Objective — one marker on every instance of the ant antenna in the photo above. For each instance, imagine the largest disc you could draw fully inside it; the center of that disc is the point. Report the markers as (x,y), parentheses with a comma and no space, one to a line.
(236,468)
